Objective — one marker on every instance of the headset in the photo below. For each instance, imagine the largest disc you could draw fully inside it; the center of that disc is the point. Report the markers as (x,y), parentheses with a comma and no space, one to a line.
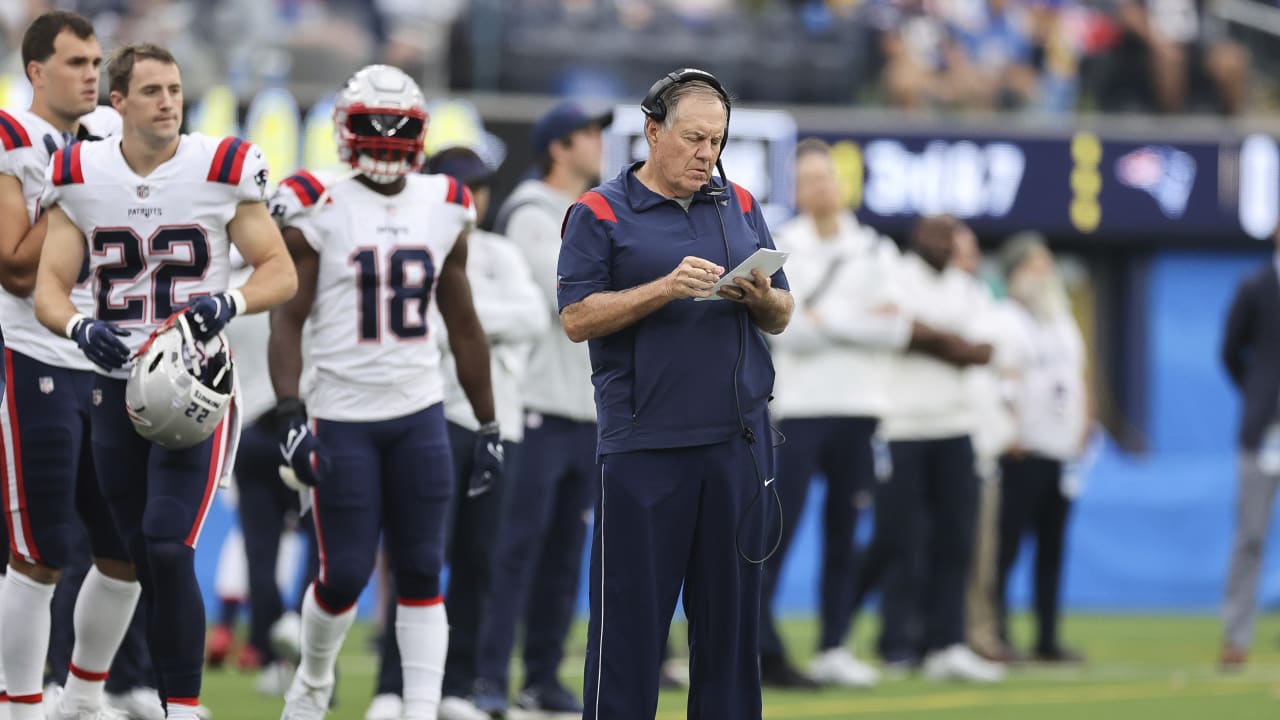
(653,106)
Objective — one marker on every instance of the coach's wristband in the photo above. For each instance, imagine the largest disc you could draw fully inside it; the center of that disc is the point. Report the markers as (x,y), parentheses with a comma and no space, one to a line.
(70,330)
(238,303)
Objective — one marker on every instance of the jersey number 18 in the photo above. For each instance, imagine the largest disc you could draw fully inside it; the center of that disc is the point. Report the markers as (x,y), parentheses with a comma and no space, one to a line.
(410,276)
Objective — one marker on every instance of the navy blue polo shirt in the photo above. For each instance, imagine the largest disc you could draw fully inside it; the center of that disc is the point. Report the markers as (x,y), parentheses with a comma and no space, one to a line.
(668,380)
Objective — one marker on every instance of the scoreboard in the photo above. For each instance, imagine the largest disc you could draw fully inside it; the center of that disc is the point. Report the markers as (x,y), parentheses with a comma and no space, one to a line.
(1080,183)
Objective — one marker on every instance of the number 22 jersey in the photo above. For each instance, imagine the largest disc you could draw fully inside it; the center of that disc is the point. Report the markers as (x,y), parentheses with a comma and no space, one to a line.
(154,242)
(380,259)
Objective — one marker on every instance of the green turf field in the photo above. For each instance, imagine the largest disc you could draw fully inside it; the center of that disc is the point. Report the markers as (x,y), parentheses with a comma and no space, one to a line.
(1153,668)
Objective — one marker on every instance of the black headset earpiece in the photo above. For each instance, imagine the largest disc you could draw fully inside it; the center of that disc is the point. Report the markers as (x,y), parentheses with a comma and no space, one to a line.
(654,107)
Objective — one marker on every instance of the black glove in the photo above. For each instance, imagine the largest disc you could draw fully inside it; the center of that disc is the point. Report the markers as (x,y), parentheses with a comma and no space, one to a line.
(99,340)
(208,314)
(299,447)
(486,463)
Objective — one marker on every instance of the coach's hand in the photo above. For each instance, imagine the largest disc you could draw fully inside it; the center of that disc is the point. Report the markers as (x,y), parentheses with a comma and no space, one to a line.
(747,291)
(693,278)
(208,314)
(487,461)
(99,340)
(299,447)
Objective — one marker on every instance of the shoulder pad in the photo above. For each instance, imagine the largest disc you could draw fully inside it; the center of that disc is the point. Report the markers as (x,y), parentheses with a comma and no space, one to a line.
(66,166)
(12,134)
(228,161)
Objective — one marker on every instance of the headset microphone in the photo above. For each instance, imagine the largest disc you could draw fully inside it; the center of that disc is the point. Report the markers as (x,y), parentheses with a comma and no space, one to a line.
(716,190)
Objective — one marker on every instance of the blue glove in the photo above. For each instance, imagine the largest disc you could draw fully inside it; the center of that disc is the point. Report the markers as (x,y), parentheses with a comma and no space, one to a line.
(486,463)
(208,314)
(99,340)
(299,448)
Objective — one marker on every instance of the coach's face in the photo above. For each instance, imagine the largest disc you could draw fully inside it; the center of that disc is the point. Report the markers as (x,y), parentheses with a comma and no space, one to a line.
(153,106)
(685,153)
(69,78)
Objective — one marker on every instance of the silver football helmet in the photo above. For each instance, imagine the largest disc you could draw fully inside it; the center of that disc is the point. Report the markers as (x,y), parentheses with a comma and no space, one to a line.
(380,123)
(179,389)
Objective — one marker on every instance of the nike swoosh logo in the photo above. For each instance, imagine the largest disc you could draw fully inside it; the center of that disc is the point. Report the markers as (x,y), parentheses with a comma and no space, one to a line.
(769,482)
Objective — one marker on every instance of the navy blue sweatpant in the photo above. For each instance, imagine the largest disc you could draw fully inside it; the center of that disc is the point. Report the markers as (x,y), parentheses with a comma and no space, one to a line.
(264,506)
(840,448)
(538,554)
(666,518)
(925,518)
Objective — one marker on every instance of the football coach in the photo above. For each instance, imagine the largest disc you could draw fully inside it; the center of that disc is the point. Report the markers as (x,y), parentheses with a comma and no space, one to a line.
(682,390)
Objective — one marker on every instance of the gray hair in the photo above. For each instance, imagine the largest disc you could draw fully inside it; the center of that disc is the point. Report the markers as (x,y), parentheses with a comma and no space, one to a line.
(1019,248)
(678,92)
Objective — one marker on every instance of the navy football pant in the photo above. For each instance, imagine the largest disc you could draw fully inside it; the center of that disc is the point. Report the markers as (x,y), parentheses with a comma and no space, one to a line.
(390,477)
(839,448)
(926,513)
(537,561)
(472,526)
(48,466)
(667,518)
(265,502)
(160,498)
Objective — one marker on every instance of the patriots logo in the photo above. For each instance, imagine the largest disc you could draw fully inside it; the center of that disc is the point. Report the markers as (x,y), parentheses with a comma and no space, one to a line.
(1165,173)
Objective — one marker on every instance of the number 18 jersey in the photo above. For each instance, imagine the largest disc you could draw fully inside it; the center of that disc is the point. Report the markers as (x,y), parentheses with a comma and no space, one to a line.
(155,242)
(380,258)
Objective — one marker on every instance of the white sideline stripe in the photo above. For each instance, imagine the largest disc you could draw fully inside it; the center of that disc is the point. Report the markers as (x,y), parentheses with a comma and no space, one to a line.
(600,642)
(11,481)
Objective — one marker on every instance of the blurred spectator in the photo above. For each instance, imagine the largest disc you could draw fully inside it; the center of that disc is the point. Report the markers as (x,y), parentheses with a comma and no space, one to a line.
(994,432)
(1251,355)
(990,54)
(831,364)
(1173,41)
(1051,403)
(927,507)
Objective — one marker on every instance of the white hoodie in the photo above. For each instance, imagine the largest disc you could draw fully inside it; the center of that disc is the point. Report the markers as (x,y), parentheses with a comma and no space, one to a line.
(558,381)
(930,400)
(833,358)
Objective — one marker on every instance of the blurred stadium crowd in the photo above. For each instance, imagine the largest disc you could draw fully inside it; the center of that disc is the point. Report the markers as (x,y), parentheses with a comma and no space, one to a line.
(1050,56)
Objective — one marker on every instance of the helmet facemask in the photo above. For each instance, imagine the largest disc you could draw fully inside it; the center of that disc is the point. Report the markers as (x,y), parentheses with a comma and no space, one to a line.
(380,121)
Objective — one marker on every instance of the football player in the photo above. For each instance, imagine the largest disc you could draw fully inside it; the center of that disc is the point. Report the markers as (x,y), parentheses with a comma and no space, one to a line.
(154,212)
(374,248)
(47,466)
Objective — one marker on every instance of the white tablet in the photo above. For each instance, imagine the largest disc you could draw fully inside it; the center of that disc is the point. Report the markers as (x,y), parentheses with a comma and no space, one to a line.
(766,260)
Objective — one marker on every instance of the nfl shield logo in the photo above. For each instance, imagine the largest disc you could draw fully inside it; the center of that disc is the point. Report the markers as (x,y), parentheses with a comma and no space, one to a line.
(144,191)
(97,397)
(46,385)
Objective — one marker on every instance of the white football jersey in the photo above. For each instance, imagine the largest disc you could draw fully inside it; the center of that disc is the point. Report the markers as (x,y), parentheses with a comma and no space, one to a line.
(155,242)
(380,257)
(27,142)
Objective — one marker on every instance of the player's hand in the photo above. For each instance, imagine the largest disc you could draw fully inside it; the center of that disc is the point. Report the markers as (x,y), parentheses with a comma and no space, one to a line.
(299,447)
(208,314)
(99,340)
(747,291)
(692,278)
(487,462)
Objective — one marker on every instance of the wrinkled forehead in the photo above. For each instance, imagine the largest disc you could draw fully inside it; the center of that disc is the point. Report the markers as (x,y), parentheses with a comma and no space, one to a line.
(704,112)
